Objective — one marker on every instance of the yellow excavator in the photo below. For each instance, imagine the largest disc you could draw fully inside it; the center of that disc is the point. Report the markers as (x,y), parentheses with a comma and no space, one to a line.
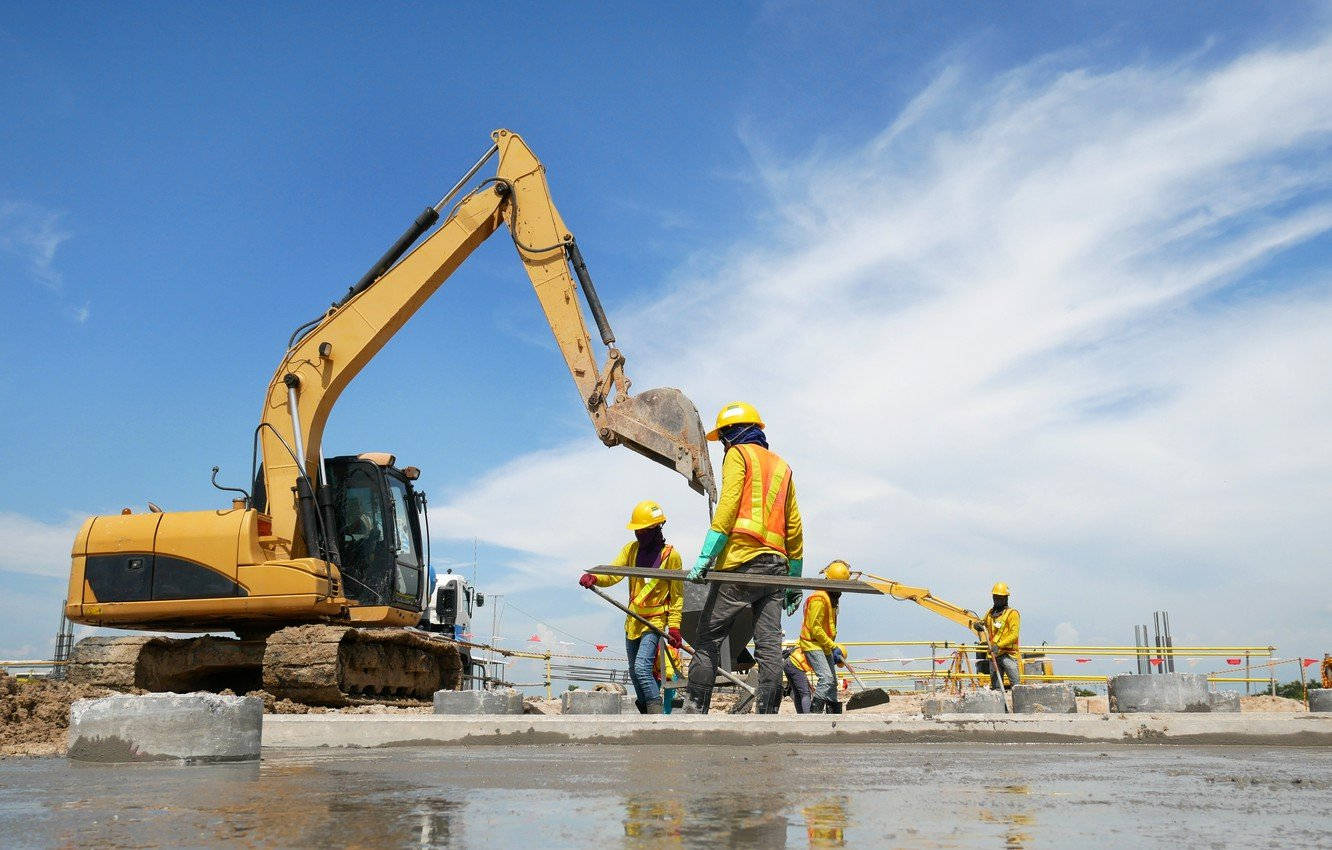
(320,571)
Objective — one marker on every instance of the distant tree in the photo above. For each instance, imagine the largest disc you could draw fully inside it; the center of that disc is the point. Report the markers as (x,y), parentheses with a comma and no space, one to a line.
(1291,690)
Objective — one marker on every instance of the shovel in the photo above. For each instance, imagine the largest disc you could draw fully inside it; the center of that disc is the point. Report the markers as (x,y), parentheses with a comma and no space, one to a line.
(865,697)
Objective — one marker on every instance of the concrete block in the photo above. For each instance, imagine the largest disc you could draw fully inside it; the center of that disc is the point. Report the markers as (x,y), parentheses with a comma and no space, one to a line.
(1320,699)
(930,706)
(1223,701)
(1053,698)
(1131,692)
(506,701)
(194,727)
(589,702)
(981,702)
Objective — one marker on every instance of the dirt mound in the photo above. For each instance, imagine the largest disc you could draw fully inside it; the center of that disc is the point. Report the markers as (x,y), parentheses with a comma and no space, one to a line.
(1266,702)
(34,714)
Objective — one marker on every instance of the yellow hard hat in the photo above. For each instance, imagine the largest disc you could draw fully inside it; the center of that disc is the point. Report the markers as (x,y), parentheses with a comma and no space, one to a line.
(999,589)
(736,413)
(837,571)
(646,515)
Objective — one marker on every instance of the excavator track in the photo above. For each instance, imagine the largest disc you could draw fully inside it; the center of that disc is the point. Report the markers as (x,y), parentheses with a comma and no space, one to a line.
(338,665)
(314,665)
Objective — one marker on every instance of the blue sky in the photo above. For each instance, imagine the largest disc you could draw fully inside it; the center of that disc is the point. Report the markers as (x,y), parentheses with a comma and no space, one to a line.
(1035,293)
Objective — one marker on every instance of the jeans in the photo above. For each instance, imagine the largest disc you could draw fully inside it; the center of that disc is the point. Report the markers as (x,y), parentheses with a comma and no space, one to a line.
(642,652)
(1008,665)
(826,686)
(799,686)
(724,604)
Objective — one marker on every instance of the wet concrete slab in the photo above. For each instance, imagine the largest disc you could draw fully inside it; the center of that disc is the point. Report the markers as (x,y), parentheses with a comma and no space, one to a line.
(333,730)
(580,795)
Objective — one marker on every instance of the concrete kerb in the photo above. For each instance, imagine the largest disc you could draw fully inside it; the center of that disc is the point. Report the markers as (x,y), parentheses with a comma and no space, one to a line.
(1131,692)
(194,727)
(1195,729)
(506,701)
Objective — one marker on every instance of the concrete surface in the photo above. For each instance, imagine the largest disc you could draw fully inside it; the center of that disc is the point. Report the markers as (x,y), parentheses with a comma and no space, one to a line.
(334,730)
(1160,692)
(479,702)
(590,702)
(1224,701)
(1053,698)
(981,702)
(934,706)
(1320,699)
(815,795)
(196,727)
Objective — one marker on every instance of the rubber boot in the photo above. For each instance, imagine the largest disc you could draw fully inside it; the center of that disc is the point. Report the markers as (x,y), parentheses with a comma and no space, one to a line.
(835,707)
(817,706)
(641,706)
(695,702)
(653,707)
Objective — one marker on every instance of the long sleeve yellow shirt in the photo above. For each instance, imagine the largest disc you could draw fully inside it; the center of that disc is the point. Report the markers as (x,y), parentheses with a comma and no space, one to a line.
(1005,629)
(740,548)
(659,602)
(818,633)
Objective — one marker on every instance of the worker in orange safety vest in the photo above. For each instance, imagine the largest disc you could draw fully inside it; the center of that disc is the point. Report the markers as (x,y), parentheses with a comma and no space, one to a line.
(817,651)
(659,602)
(755,529)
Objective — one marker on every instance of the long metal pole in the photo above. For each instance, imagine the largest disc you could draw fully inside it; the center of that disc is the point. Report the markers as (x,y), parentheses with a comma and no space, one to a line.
(1169,641)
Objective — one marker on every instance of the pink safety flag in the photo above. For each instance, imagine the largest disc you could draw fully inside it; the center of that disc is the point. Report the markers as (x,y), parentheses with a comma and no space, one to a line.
(1234,662)
(1309,661)
(601,647)
(1082,660)
(1153,661)
(534,639)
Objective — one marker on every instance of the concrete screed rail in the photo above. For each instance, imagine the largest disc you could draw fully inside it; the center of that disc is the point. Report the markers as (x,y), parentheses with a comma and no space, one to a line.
(332,730)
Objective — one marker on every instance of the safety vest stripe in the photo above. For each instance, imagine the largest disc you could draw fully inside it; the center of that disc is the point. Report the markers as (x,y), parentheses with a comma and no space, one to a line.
(652,587)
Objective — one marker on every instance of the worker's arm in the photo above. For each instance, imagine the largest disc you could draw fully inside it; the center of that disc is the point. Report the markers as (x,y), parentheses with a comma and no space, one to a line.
(1007,637)
(724,515)
(795,532)
(816,614)
(676,610)
(624,559)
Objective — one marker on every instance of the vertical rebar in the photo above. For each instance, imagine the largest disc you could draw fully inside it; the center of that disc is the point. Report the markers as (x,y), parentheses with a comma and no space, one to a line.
(1156,625)
(1137,645)
(1169,641)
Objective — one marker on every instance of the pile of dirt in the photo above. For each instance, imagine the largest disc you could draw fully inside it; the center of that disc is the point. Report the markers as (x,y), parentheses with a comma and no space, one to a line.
(1265,702)
(272,705)
(34,714)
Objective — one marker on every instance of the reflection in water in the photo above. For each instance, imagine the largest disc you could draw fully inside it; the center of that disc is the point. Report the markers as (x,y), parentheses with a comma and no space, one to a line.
(825,822)
(652,817)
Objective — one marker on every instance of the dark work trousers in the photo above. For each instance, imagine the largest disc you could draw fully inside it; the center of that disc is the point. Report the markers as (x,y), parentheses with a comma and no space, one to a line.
(724,604)
(800,694)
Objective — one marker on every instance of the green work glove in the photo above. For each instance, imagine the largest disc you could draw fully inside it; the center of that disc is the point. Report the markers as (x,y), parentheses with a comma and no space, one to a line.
(712,545)
(795,567)
(792,601)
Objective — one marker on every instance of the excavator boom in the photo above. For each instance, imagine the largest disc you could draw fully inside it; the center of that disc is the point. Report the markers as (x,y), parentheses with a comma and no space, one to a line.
(921,596)
(660,424)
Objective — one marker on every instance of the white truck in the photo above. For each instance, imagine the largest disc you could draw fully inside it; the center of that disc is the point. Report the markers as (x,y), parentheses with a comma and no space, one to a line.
(448,610)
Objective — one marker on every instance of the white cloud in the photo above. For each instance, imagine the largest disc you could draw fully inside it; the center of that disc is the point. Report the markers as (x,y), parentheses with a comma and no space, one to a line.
(33,235)
(1065,635)
(35,547)
(996,341)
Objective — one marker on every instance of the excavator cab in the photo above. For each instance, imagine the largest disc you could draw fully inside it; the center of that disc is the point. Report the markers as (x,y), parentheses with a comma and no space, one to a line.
(378,530)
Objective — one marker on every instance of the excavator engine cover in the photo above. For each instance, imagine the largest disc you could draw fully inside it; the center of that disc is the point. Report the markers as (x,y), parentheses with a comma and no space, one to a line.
(663,425)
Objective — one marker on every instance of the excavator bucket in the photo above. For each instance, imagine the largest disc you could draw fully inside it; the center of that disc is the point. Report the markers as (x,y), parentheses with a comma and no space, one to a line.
(664,425)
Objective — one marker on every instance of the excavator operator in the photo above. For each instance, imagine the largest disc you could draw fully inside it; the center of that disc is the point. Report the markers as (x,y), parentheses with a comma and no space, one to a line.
(756,529)
(1003,623)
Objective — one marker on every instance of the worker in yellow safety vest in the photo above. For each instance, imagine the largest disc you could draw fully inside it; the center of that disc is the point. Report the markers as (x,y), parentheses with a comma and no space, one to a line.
(755,529)
(817,651)
(1002,624)
(659,602)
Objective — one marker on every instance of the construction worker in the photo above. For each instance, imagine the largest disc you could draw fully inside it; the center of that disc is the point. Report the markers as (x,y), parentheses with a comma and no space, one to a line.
(755,529)
(1001,624)
(798,680)
(817,651)
(659,602)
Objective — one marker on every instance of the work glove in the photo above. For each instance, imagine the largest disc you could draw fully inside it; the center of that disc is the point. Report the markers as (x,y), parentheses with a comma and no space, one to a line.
(587,580)
(838,657)
(674,638)
(712,546)
(792,601)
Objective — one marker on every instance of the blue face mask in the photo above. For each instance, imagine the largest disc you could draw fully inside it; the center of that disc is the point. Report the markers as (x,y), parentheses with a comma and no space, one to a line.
(737,435)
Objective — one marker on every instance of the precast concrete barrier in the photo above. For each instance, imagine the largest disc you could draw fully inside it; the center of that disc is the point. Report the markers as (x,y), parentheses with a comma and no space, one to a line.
(1320,699)
(589,702)
(930,706)
(1225,701)
(981,702)
(195,727)
(1044,699)
(507,701)
(1131,692)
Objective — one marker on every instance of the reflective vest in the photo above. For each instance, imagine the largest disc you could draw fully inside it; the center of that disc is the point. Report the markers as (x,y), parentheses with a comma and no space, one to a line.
(763,497)
(811,629)
(650,598)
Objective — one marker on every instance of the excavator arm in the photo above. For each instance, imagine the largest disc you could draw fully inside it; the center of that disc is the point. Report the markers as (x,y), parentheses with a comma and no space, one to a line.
(921,596)
(327,354)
